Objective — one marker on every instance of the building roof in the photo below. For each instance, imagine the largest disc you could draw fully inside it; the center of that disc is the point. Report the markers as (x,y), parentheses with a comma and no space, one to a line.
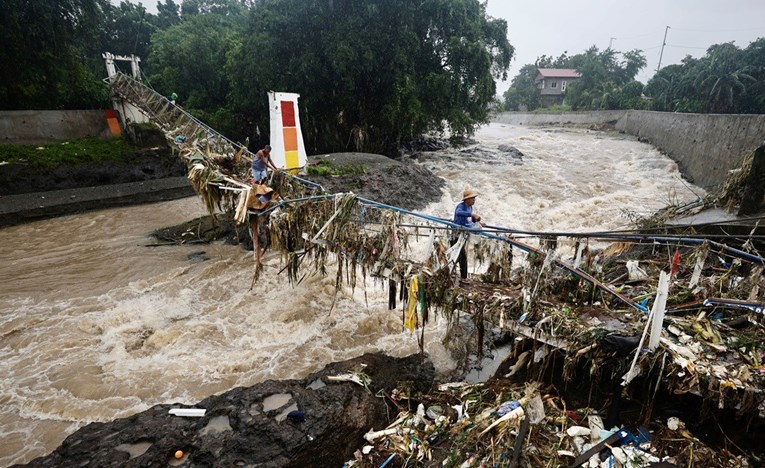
(558,73)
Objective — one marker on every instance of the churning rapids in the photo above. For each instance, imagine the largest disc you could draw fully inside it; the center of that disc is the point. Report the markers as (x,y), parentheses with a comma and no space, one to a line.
(95,326)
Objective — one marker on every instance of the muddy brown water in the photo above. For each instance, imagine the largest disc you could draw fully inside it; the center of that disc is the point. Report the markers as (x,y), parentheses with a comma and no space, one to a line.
(96,326)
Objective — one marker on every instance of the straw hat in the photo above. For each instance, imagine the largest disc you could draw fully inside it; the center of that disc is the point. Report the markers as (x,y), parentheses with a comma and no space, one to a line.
(468,193)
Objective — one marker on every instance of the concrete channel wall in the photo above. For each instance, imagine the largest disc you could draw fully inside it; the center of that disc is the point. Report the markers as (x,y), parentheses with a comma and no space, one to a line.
(705,146)
(46,126)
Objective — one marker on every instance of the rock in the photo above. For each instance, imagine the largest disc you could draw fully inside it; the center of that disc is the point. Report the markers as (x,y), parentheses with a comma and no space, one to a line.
(239,430)
(511,151)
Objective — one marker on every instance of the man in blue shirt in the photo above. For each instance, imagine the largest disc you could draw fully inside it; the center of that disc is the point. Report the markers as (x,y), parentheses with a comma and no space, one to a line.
(464,216)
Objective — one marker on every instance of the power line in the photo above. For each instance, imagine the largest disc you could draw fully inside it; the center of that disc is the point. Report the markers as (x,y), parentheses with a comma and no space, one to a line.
(721,30)
(637,37)
(686,47)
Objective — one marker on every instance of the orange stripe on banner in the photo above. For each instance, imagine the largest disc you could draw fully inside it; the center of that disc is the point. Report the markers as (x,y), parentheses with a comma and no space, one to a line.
(292,160)
(288,113)
(290,139)
(114,126)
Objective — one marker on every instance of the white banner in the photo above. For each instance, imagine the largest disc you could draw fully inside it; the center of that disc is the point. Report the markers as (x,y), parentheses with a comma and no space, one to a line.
(287,148)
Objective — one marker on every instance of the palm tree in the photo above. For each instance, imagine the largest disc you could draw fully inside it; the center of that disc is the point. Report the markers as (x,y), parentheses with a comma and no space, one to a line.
(723,78)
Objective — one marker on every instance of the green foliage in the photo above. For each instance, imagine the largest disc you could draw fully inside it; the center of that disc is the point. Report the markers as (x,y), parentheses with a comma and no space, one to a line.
(726,79)
(126,29)
(326,168)
(554,109)
(50,55)
(371,74)
(85,151)
(190,58)
(523,91)
(168,14)
(605,74)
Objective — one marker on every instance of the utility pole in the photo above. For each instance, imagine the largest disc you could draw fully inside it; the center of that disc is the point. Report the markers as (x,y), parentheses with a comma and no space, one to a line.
(611,42)
(663,43)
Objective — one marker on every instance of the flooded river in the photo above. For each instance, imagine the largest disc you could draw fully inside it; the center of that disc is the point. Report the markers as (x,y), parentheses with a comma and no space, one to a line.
(95,325)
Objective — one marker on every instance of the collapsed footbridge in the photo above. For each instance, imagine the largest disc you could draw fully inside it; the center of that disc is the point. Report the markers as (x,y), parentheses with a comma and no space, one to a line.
(567,292)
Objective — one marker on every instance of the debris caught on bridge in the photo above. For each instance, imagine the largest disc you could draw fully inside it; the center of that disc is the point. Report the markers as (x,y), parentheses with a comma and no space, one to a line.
(579,307)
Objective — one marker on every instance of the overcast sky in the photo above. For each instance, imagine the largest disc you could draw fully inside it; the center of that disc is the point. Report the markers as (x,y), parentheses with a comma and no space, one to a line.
(550,27)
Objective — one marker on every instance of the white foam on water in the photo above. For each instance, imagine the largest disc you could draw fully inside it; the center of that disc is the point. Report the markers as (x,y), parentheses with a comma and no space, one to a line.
(94,326)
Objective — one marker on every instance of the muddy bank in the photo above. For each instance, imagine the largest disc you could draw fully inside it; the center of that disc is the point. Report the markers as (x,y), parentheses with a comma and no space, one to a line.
(316,421)
(399,182)
(142,155)
(143,165)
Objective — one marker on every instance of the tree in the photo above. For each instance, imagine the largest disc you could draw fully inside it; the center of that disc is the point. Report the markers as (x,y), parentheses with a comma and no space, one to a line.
(373,73)
(191,8)
(662,88)
(50,54)
(168,14)
(726,79)
(190,59)
(723,78)
(127,29)
(752,100)
(545,61)
(523,91)
(603,76)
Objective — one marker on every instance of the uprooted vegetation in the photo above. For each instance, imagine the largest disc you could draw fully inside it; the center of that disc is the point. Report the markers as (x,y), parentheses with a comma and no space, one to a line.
(582,311)
(632,326)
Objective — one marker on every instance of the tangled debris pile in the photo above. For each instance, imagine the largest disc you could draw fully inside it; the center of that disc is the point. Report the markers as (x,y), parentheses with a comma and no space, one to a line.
(696,331)
(503,424)
(649,316)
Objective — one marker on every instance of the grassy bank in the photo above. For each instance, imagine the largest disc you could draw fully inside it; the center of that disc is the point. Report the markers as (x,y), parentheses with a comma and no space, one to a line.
(75,152)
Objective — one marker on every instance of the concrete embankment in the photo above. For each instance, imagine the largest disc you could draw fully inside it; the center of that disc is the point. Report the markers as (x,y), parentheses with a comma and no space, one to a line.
(44,126)
(705,146)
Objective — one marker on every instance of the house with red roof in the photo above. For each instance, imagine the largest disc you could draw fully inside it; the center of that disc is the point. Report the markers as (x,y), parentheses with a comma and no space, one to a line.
(552,84)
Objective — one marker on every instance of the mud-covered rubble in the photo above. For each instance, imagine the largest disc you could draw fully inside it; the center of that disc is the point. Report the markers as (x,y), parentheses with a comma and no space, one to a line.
(315,421)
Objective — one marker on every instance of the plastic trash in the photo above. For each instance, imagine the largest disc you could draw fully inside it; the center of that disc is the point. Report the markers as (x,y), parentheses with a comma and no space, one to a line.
(434,412)
(535,410)
(507,407)
(435,439)
(635,272)
(296,416)
(188,412)
(596,425)
(578,431)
